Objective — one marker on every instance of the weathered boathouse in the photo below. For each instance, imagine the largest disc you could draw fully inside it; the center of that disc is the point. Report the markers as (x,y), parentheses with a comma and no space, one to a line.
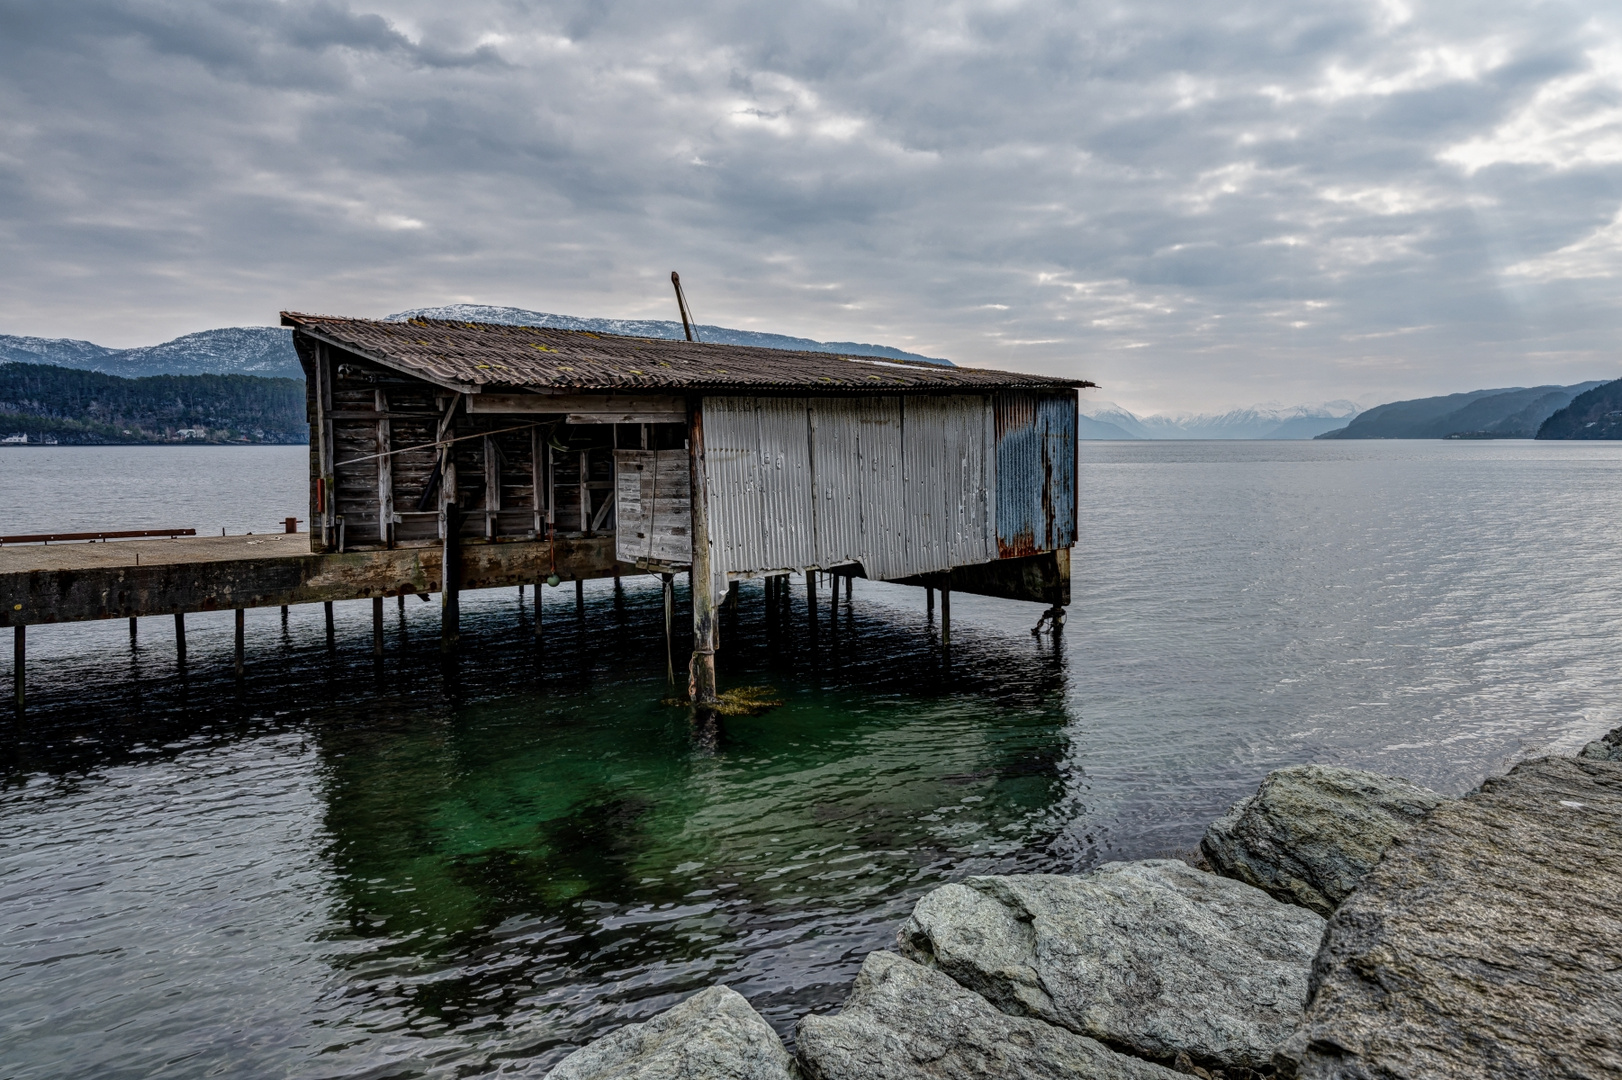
(600,455)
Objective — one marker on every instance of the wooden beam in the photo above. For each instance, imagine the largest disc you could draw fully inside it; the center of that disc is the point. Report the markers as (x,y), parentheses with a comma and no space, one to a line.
(450,611)
(585,408)
(385,473)
(76,594)
(701,671)
(492,486)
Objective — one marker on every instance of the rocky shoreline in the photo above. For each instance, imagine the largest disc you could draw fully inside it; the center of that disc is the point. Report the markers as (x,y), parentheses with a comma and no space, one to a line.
(1346,926)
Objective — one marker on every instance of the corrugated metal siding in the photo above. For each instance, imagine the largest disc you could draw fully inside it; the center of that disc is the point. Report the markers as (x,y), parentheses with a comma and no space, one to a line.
(901,485)
(757,458)
(1036,472)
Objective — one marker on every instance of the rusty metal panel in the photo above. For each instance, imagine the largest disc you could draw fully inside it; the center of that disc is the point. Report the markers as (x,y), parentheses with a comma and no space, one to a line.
(653,507)
(1036,472)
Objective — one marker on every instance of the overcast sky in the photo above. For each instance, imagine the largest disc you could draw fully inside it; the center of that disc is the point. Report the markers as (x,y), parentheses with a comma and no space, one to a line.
(1196,205)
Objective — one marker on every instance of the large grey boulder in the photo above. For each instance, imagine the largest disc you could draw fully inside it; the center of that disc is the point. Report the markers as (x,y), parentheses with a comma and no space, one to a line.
(1488,942)
(1606,748)
(1311,832)
(906,1022)
(713,1035)
(1153,958)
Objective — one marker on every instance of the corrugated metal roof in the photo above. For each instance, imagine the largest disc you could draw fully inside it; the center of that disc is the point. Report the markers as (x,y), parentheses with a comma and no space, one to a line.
(467,354)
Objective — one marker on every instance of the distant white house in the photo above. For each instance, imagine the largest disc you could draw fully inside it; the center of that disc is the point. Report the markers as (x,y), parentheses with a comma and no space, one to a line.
(189,433)
(14,439)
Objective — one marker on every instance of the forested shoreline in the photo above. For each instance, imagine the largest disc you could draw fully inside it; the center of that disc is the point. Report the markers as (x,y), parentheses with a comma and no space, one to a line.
(44,403)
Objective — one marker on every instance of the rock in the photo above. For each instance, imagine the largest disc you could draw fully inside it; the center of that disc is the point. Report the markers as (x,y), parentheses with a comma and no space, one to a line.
(1152,958)
(1311,832)
(906,1022)
(1605,748)
(1488,942)
(713,1035)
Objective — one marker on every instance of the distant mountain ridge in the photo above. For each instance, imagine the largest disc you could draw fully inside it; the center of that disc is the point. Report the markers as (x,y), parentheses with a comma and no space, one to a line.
(1593,414)
(654,328)
(268,350)
(1514,412)
(1107,420)
(236,350)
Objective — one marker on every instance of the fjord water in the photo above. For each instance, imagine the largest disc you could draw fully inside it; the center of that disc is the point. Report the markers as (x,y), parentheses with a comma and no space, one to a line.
(341,869)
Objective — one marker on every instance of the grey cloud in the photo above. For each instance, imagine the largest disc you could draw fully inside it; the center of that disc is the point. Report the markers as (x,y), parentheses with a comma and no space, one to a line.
(1197,207)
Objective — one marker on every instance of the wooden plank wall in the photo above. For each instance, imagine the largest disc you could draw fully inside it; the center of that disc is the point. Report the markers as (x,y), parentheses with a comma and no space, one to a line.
(517,475)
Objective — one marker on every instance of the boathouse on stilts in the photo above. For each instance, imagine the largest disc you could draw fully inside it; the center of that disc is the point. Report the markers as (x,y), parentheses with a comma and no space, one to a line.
(447,456)
(656,456)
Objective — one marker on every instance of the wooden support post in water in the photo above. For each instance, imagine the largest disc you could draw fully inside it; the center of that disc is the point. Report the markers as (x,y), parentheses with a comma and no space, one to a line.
(670,613)
(240,665)
(946,617)
(132,629)
(849,586)
(180,637)
(538,611)
(377,627)
(450,608)
(19,662)
(834,601)
(332,636)
(701,672)
(929,603)
(580,598)
(401,602)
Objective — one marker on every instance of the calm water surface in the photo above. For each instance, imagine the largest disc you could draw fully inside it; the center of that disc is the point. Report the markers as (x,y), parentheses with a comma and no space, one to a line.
(341,869)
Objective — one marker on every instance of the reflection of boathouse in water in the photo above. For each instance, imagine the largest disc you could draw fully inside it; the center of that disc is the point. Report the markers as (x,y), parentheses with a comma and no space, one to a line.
(587,449)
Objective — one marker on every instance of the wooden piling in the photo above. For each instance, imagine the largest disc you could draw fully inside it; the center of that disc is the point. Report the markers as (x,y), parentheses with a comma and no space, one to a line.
(132,629)
(850,580)
(579,598)
(834,598)
(180,637)
(670,614)
(929,603)
(377,627)
(450,607)
(401,603)
(19,662)
(701,671)
(946,617)
(332,635)
(240,644)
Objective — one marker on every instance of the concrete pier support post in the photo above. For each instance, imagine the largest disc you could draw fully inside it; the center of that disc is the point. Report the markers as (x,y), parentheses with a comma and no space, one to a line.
(240,644)
(180,637)
(377,626)
(19,661)
(701,671)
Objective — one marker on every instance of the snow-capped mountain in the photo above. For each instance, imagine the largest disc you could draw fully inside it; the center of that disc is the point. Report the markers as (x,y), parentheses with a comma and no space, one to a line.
(237,350)
(654,328)
(1266,421)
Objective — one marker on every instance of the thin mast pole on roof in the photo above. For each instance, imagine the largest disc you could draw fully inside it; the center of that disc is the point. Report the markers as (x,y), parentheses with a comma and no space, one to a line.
(681,302)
